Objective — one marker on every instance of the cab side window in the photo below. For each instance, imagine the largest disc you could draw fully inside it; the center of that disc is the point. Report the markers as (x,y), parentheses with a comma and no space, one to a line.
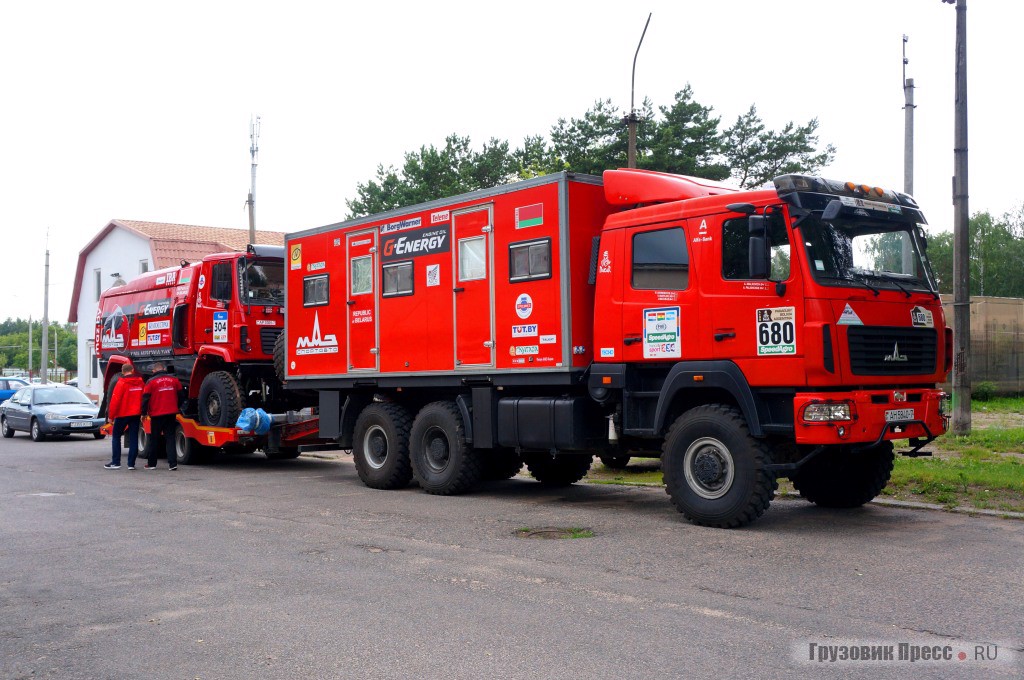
(736,249)
(660,260)
(221,284)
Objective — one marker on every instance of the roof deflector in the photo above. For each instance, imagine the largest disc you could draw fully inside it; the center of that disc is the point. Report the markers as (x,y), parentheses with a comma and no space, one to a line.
(629,187)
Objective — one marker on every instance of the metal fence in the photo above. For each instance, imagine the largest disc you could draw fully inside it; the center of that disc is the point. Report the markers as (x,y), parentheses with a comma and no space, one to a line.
(997,341)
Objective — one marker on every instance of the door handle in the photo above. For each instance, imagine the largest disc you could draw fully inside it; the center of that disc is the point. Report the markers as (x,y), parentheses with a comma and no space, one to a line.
(631,340)
(460,289)
(725,336)
(350,302)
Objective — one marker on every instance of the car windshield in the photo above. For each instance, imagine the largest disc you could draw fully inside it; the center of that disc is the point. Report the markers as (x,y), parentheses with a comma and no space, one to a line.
(844,252)
(262,282)
(56,395)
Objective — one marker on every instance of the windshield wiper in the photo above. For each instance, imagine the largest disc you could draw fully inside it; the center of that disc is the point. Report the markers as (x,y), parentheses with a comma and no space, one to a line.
(862,280)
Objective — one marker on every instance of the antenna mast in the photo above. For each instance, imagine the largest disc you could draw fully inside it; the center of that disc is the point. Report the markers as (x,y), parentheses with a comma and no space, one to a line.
(254,148)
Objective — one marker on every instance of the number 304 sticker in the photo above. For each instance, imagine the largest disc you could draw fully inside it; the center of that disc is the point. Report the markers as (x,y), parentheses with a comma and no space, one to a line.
(776,331)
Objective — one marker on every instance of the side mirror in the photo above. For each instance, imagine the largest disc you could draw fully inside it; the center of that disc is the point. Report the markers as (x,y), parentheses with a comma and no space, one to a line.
(757,251)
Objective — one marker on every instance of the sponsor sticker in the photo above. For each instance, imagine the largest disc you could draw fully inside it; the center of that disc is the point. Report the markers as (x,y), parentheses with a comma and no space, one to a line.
(607,352)
(661,333)
(154,338)
(294,258)
(524,306)
(849,317)
(160,280)
(220,326)
(362,242)
(440,217)
(605,266)
(142,334)
(433,275)
(548,339)
(415,243)
(526,350)
(922,318)
(525,331)
(155,308)
(316,266)
(202,284)
(401,225)
(776,331)
(158,325)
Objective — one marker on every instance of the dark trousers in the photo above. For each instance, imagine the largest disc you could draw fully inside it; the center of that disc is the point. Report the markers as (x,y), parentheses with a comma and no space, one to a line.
(161,434)
(131,424)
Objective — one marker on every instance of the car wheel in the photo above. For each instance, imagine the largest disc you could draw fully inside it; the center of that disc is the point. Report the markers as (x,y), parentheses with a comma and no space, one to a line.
(5,428)
(98,435)
(36,432)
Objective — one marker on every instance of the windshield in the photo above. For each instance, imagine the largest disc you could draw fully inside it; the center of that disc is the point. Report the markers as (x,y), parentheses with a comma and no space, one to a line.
(59,395)
(262,282)
(845,252)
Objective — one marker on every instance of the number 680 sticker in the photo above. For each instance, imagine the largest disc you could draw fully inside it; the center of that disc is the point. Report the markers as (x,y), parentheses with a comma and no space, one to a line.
(776,331)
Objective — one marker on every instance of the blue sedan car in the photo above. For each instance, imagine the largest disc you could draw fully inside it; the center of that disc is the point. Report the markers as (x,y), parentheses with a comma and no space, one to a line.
(8,386)
(50,409)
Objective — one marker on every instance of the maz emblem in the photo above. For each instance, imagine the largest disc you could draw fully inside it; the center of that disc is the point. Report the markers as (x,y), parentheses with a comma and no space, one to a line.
(896,356)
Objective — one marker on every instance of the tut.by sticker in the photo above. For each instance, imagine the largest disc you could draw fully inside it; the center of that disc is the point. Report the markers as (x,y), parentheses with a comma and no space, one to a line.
(661,333)
(776,331)
(922,318)
(528,330)
(849,317)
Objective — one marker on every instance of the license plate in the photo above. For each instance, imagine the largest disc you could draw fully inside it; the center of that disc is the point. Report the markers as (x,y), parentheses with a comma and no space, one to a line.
(899,414)
(84,423)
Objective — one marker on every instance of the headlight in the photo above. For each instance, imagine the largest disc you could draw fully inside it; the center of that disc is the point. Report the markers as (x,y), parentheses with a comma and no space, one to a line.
(55,416)
(827,412)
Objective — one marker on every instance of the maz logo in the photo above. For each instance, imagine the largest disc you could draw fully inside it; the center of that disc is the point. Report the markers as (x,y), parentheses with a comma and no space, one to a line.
(328,344)
(896,356)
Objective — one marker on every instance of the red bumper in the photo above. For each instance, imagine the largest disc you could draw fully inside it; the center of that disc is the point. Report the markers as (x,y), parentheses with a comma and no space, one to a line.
(875,415)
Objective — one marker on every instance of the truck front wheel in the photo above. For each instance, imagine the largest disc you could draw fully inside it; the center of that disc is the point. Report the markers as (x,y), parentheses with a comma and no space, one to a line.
(380,446)
(839,478)
(220,400)
(444,463)
(714,469)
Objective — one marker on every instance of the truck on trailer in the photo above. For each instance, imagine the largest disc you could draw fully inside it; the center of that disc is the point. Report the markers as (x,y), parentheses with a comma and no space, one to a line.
(215,322)
(739,335)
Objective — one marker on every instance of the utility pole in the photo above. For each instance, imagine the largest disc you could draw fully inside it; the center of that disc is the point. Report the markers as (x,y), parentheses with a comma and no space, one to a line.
(254,137)
(30,347)
(45,360)
(908,150)
(961,237)
(632,119)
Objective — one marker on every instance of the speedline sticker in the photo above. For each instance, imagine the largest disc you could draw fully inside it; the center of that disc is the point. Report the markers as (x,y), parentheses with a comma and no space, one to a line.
(776,331)
(661,333)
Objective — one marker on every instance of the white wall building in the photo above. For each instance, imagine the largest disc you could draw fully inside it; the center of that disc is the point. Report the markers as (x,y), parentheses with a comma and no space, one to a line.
(123,250)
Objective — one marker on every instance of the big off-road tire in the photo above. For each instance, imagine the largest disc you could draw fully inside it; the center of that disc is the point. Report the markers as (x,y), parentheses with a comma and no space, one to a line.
(444,464)
(220,400)
(279,357)
(499,464)
(715,470)
(839,478)
(380,446)
(189,451)
(563,470)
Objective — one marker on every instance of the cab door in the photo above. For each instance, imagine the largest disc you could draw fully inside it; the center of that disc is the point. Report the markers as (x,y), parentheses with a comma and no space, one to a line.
(659,308)
(473,288)
(361,254)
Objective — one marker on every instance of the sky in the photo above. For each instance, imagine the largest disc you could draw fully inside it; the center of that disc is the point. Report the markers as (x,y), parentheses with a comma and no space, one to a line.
(141,111)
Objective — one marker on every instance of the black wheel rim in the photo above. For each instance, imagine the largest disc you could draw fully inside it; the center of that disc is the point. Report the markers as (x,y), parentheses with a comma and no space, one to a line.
(437,449)
(709,468)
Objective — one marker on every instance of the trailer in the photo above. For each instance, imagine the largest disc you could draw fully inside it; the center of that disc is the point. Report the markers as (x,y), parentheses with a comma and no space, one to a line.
(738,335)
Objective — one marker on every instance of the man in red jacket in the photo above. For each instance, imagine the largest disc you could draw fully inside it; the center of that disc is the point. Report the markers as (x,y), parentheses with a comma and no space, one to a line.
(160,400)
(123,411)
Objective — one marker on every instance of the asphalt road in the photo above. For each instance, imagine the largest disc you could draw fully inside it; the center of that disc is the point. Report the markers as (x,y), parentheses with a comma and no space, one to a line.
(255,569)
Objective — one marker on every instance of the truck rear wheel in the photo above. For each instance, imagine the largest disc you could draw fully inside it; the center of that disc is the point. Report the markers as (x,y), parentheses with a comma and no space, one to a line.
(839,478)
(561,470)
(220,400)
(443,462)
(279,357)
(380,446)
(189,451)
(715,470)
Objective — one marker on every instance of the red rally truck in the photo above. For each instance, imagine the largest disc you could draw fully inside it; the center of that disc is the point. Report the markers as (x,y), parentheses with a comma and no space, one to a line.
(215,322)
(739,335)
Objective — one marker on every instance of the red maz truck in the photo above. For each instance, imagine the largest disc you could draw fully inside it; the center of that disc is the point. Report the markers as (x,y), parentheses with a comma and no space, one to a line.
(216,322)
(739,335)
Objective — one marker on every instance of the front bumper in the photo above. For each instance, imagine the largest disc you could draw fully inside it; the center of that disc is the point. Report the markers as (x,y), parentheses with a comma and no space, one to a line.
(71,425)
(875,416)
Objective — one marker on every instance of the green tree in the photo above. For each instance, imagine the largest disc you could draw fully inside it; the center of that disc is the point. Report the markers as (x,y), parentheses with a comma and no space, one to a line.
(997,249)
(686,140)
(756,154)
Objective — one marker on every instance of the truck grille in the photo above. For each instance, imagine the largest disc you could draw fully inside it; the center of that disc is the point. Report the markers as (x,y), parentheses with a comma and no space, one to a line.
(881,350)
(267,338)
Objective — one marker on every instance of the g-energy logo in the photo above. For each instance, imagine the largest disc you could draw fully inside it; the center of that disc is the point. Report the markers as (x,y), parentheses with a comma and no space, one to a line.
(155,309)
(415,243)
